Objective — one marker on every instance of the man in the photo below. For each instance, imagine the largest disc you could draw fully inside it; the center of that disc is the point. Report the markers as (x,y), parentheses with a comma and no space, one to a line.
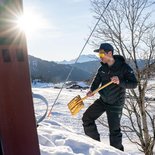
(112,98)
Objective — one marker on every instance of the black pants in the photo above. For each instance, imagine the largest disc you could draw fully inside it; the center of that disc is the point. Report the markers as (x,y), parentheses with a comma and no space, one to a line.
(90,129)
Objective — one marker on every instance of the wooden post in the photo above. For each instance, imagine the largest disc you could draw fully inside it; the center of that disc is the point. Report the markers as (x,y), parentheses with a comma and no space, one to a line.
(18,134)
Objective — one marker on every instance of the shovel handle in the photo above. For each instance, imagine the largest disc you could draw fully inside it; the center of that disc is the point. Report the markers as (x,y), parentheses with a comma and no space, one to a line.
(97,90)
(102,87)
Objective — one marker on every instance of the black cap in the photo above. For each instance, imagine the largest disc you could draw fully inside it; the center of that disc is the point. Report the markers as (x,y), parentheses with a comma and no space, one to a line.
(106,47)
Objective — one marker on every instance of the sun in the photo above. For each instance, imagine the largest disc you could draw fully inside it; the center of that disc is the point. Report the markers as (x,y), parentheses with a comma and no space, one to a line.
(30,22)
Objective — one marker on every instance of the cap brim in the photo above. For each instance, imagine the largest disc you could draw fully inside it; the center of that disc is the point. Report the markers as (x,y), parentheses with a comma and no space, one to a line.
(96,51)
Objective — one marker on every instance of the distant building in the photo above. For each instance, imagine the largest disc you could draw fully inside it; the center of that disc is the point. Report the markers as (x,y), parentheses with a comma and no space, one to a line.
(77,85)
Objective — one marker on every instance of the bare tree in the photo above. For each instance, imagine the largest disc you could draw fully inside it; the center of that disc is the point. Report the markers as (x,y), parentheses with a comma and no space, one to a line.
(127,24)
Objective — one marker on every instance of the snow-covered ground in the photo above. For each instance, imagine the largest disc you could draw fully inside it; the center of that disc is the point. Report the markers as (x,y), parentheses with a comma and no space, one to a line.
(57,139)
(62,134)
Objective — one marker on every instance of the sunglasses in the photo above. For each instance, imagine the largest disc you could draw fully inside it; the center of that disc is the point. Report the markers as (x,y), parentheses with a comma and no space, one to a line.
(101,53)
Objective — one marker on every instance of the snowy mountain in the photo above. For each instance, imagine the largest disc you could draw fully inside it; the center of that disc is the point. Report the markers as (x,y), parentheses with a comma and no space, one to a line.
(49,71)
(84,69)
(83,58)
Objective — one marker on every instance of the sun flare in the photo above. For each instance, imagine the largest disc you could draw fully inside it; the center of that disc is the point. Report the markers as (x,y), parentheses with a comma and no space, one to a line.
(30,22)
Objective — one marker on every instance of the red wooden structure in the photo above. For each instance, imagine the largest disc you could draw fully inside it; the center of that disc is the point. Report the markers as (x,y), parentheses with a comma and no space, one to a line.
(18,132)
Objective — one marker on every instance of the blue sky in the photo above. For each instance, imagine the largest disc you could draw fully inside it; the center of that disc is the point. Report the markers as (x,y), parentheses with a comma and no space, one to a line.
(67,26)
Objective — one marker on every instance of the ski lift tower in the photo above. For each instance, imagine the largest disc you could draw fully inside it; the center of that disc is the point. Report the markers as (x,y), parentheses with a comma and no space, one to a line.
(18,134)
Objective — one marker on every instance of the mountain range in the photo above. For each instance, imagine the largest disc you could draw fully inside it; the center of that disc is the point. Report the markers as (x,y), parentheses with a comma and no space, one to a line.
(82,59)
(49,71)
(83,70)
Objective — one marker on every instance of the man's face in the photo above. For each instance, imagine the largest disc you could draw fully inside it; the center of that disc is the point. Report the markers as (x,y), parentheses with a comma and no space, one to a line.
(105,56)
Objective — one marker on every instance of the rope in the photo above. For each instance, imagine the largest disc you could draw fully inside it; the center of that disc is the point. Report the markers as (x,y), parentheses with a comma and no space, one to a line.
(78,57)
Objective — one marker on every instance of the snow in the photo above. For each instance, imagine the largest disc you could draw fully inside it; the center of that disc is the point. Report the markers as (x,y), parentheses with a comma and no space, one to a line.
(82,84)
(62,134)
(56,139)
(42,85)
(57,85)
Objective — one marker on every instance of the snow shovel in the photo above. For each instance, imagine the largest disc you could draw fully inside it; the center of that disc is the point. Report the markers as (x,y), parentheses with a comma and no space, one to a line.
(76,104)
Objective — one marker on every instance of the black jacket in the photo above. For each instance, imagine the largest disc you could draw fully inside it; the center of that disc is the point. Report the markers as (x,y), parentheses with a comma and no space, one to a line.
(115,94)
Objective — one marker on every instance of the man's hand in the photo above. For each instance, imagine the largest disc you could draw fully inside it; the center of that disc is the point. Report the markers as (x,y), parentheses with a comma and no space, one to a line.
(115,80)
(90,93)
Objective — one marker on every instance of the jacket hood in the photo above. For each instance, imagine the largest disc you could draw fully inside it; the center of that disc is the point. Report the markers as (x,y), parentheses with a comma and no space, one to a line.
(119,60)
